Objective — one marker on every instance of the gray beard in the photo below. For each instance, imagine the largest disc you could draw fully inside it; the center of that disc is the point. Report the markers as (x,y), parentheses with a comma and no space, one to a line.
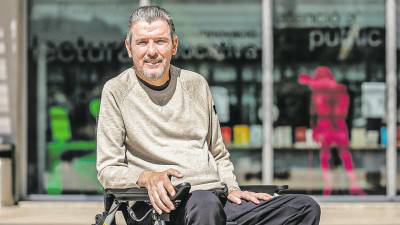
(153,75)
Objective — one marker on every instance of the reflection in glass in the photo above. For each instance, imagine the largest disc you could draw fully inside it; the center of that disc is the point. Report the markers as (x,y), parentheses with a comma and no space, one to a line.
(226,50)
(74,47)
(329,107)
(348,37)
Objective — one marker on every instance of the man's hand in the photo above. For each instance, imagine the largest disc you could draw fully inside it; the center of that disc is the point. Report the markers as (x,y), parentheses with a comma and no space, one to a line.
(159,188)
(236,196)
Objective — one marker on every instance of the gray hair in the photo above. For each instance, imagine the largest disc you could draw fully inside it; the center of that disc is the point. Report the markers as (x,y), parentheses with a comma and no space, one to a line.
(150,14)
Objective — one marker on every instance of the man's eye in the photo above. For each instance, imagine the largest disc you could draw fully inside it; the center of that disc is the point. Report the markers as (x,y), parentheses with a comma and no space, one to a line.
(160,42)
(141,43)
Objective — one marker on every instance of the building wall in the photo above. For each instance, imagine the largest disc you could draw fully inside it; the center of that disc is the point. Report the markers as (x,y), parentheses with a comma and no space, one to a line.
(73,47)
(12,82)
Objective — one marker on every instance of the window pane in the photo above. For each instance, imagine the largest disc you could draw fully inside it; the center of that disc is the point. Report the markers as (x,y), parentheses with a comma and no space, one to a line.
(226,49)
(329,94)
(74,47)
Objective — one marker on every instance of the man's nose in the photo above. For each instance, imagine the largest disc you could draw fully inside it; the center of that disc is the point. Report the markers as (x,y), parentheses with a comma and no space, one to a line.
(152,50)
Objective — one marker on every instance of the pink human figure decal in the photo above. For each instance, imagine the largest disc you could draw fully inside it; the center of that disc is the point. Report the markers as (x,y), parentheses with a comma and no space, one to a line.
(329,106)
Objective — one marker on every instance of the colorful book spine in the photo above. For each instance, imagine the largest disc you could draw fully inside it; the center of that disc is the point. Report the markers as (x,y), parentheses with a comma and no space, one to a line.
(226,135)
(282,136)
(256,138)
(241,134)
(372,138)
(383,136)
(300,134)
(358,136)
(310,140)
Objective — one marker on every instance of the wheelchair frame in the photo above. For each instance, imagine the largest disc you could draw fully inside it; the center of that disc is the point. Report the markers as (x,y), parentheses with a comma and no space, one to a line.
(118,200)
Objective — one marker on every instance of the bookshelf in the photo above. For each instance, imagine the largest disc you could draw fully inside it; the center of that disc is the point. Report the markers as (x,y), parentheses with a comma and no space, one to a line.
(233,147)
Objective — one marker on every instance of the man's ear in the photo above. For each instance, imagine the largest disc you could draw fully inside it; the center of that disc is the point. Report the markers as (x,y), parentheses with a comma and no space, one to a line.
(128,47)
(175,42)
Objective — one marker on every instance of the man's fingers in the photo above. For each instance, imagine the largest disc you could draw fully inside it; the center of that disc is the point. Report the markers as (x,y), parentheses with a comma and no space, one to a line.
(153,203)
(155,200)
(254,197)
(174,172)
(160,203)
(234,199)
(170,188)
(162,193)
(167,182)
(251,196)
(264,196)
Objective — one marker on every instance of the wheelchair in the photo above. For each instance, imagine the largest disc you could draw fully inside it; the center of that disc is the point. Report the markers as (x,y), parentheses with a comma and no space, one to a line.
(120,199)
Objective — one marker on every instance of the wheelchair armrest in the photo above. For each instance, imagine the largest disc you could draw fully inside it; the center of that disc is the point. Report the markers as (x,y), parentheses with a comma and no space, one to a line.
(131,194)
(141,194)
(269,189)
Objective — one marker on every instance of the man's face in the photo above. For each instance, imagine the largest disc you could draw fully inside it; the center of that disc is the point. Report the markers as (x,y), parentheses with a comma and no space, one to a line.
(151,48)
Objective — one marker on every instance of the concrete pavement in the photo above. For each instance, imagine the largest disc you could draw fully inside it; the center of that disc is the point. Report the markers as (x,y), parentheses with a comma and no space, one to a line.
(82,213)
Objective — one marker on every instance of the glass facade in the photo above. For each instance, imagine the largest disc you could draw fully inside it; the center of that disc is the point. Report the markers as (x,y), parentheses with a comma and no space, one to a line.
(226,50)
(329,129)
(74,47)
(329,94)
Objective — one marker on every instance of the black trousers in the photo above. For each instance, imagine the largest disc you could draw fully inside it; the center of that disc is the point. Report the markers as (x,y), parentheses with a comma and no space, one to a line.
(205,208)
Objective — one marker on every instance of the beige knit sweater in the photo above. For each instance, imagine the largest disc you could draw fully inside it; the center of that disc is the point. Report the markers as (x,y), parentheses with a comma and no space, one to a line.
(136,133)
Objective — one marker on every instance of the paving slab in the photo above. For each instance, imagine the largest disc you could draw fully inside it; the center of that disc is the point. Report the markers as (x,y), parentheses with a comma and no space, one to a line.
(82,213)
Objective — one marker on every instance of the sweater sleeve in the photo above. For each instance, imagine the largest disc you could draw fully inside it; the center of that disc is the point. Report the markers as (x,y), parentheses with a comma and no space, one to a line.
(218,149)
(113,170)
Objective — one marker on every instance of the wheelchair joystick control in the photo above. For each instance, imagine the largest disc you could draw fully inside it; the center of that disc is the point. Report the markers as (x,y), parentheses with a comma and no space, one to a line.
(181,192)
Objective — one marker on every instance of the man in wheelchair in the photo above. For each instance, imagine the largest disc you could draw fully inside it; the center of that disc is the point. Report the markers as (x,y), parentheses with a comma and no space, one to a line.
(158,128)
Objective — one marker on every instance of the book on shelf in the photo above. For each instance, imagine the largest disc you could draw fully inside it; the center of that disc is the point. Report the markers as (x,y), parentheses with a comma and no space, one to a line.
(300,134)
(358,136)
(310,140)
(256,135)
(241,134)
(372,138)
(226,135)
(383,136)
(282,136)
